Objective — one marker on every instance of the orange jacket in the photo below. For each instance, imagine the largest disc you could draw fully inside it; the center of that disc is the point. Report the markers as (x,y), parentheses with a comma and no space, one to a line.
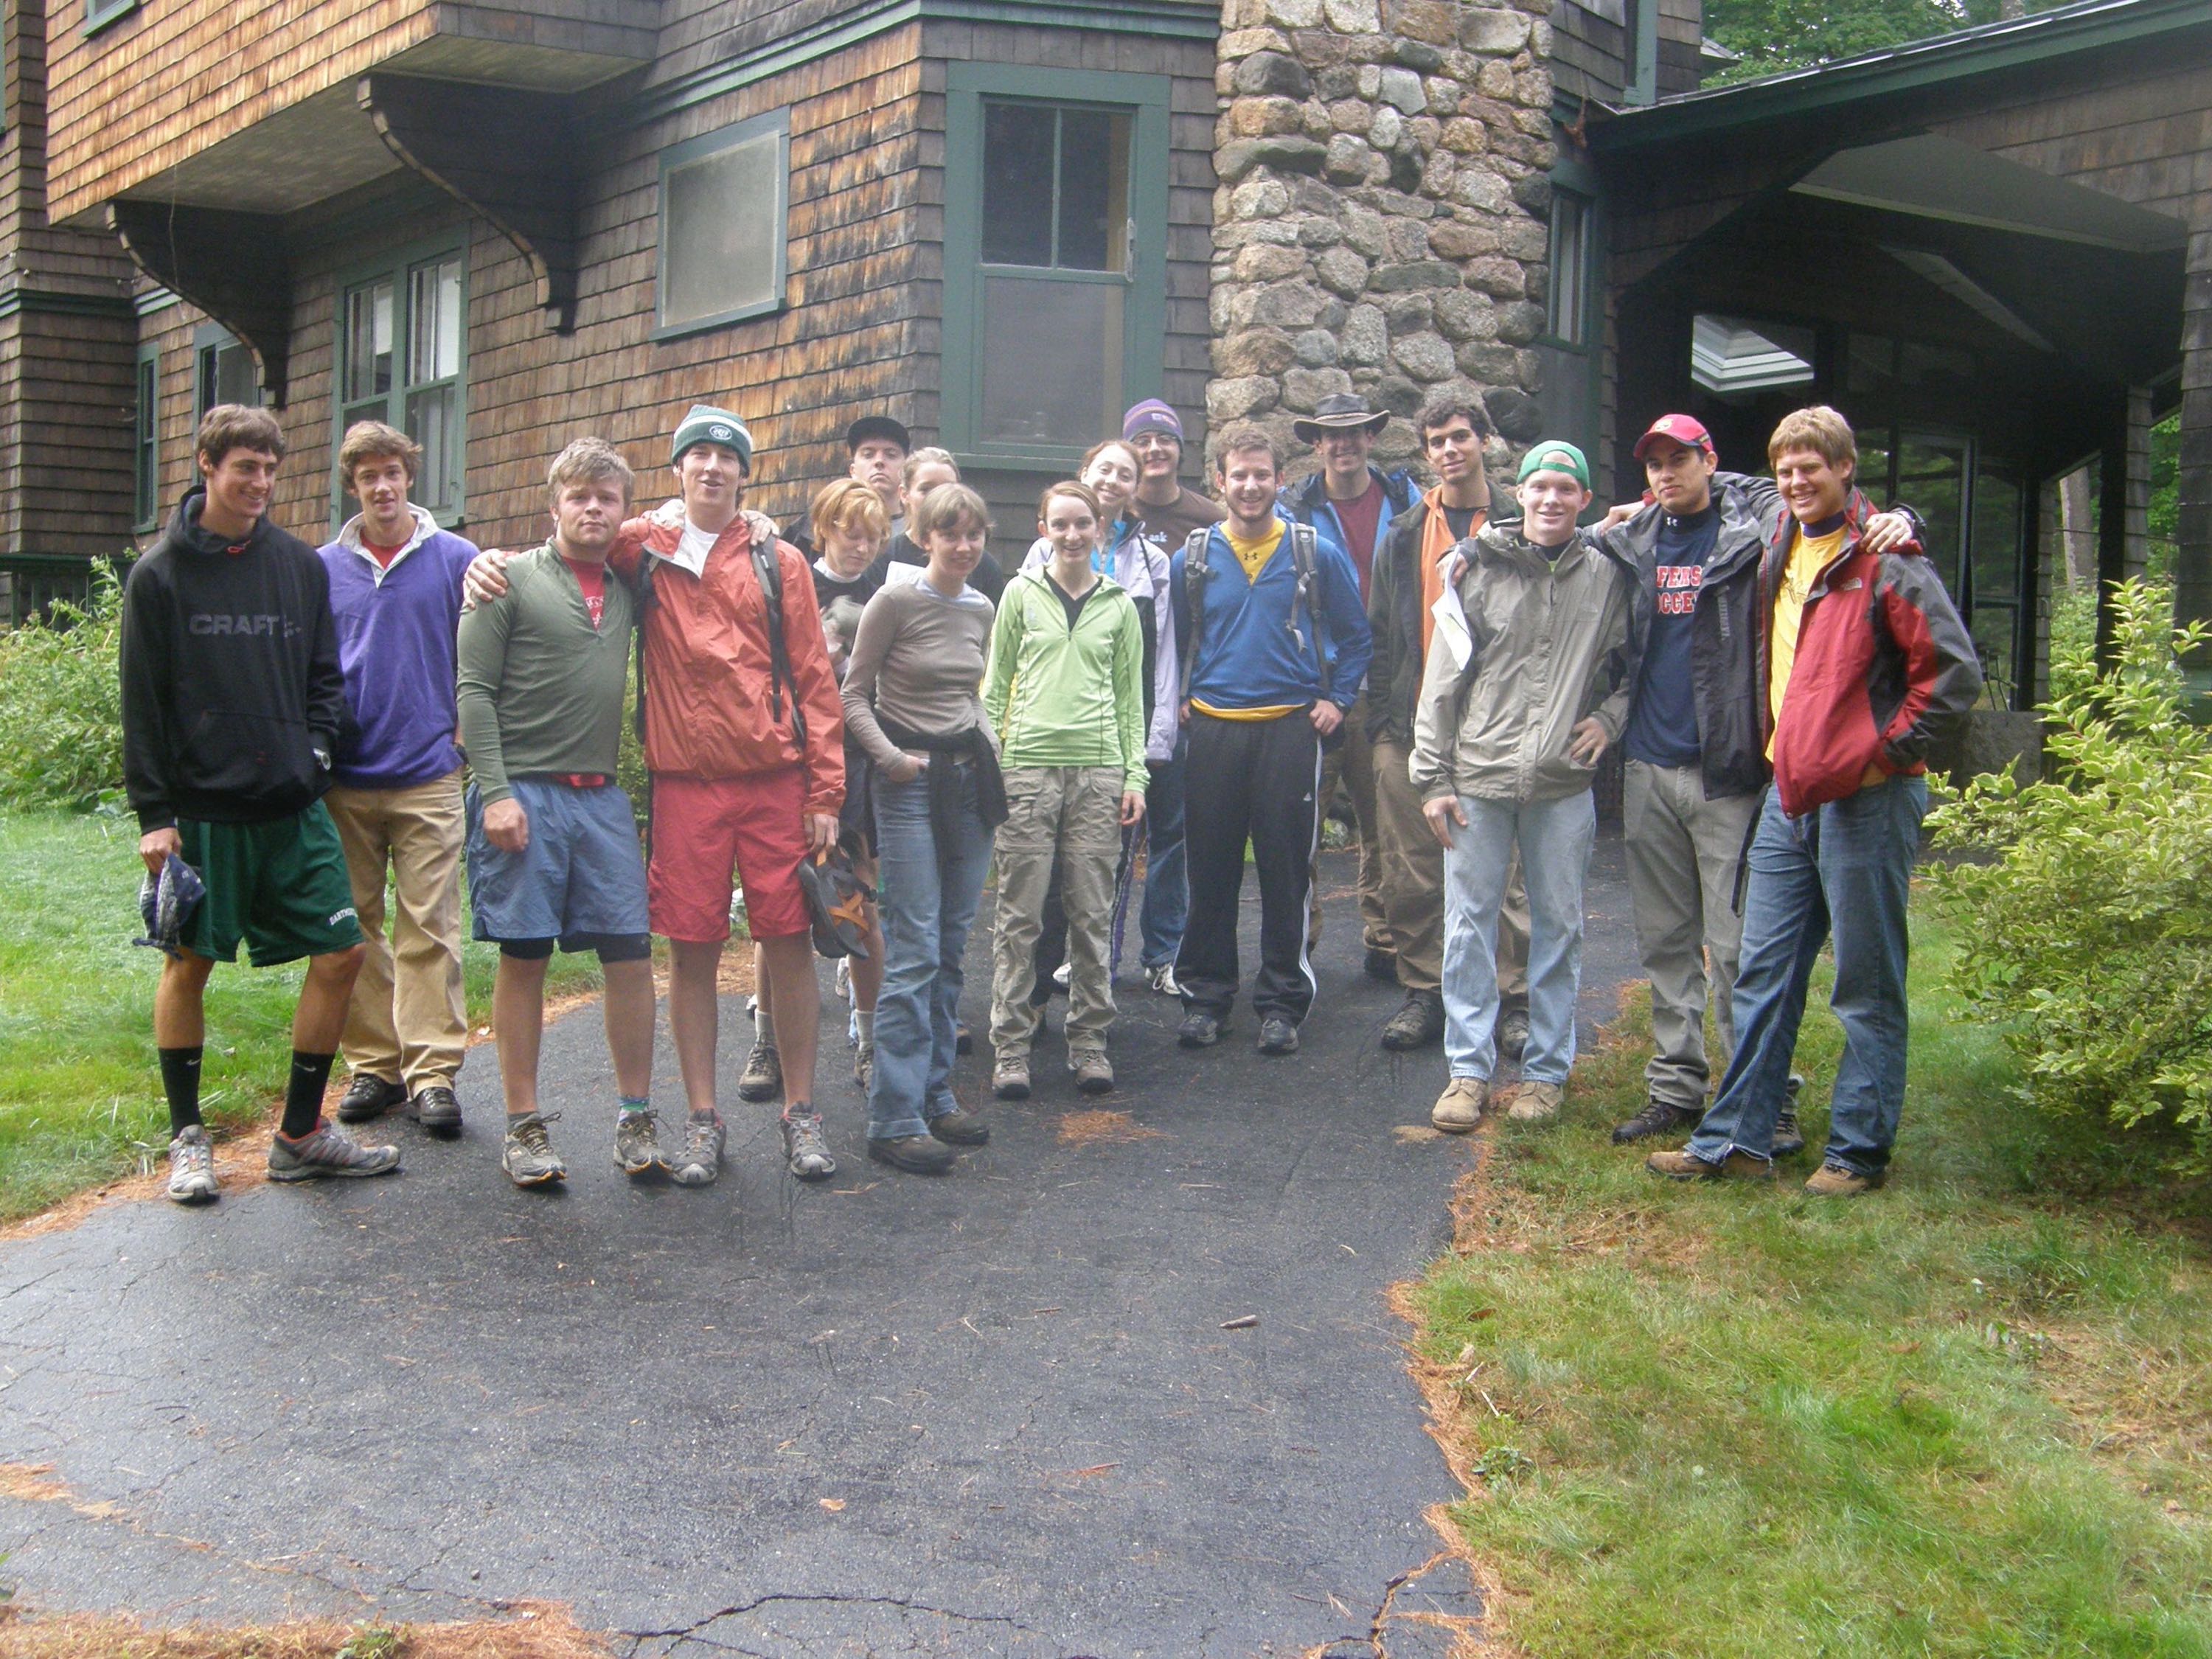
(709,711)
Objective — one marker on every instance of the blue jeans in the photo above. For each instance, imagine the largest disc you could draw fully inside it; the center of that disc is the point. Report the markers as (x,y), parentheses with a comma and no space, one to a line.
(1167,899)
(929,895)
(1844,869)
(1554,837)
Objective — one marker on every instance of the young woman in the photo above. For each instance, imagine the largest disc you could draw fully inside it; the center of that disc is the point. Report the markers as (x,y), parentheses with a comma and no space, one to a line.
(1064,693)
(911,703)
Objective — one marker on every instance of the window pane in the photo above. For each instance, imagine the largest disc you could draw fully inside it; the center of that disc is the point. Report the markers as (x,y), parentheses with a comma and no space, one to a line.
(1931,480)
(430,423)
(1052,361)
(1017,177)
(1996,538)
(434,321)
(1569,252)
(1995,627)
(1872,474)
(723,233)
(149,483)
(234,380)
(369,342)
(1094,190)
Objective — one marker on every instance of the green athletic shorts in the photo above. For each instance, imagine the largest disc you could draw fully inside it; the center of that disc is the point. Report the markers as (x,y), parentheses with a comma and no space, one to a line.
(280,886)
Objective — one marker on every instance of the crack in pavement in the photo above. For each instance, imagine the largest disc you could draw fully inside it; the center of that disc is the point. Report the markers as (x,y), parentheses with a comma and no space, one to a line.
(905,1605)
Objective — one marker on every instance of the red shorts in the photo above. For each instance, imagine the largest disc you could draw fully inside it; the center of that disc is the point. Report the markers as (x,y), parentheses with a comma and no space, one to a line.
(705,828)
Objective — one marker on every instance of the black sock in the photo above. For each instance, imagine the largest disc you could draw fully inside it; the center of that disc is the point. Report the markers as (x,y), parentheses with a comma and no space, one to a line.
(303,1096)
(181,1081)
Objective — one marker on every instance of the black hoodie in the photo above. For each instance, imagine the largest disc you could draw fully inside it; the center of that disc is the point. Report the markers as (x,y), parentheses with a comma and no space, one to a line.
(231,683)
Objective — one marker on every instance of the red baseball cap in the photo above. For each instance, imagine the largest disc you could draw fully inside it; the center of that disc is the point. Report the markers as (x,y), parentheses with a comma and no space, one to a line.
(1682,429)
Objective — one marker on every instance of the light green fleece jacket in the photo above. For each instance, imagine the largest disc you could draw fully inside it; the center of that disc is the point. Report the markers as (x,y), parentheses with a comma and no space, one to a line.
(1062,696)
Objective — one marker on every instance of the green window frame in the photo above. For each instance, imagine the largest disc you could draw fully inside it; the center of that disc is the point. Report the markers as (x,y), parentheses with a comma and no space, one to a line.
(1572,345)
(722,195)
(223,371)
(146,441)
(401,355)
(99,14)
(992,301)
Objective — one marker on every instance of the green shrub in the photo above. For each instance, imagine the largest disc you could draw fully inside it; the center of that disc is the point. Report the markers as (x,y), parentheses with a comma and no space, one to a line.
(2083,912)
(61,700)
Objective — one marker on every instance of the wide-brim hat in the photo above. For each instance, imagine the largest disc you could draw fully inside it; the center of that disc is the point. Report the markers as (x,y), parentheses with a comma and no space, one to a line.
(167,902)
(1341,411)
(837,904)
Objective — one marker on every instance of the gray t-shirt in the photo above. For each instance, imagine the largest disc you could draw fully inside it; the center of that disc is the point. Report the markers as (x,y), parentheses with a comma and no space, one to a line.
(917,661)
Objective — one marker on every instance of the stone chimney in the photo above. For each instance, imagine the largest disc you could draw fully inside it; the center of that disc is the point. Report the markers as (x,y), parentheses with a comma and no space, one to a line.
(1379,223)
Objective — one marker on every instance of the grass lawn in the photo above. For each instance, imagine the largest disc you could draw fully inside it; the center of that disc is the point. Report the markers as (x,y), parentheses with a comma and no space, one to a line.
(1969,1414)
(80,1098)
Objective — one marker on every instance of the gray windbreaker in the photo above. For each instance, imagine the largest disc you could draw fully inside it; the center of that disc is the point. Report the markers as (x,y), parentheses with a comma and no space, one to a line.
(1524,649)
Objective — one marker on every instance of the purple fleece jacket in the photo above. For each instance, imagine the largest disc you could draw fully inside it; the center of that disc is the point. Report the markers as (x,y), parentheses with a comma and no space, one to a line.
(396,631)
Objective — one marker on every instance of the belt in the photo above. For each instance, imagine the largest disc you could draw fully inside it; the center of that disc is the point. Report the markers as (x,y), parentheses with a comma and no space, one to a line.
(571,780)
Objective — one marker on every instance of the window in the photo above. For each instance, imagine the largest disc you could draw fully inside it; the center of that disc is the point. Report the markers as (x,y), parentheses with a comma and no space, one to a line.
(1055,258)
(403,340)
(1573,312)
(1568,307)
(99,14)
(724,199)
(222,370)
(146,468)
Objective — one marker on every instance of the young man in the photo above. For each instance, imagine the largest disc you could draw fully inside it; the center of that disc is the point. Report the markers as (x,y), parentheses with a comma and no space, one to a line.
(1526,684)
(1410,574)
(1695,760)
(1276,634)
(552,848)
(877,447)
(925,470)
(234,704)
(396,591)
(1167,511)
(1867,668)
(1353,504)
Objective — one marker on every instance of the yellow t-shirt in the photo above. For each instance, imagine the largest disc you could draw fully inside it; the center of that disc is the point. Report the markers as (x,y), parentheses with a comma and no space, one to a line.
(1808,557)
(1253,556)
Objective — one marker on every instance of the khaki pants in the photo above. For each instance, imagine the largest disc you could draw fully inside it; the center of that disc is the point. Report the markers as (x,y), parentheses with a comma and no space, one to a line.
(1351,764)
(1069,816)
(1413,888)
(1683,852)
(407,1023)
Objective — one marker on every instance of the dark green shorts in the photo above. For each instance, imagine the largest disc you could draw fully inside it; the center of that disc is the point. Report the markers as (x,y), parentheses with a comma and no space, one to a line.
(280,886)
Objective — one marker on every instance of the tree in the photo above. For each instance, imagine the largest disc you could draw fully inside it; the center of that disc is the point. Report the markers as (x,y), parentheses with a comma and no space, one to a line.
(1771,36)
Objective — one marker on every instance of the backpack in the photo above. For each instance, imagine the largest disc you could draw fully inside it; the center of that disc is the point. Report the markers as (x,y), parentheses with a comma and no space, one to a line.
(1305,559)
(768,570)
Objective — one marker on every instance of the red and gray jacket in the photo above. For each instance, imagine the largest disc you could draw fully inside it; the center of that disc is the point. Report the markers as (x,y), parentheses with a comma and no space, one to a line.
(1885,670)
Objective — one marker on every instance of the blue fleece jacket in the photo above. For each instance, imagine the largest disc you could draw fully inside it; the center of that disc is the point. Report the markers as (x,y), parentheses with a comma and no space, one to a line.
(1252,653)
(396,631)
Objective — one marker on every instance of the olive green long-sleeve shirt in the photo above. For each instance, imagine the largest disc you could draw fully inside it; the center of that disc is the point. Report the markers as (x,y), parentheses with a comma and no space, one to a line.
(540,689)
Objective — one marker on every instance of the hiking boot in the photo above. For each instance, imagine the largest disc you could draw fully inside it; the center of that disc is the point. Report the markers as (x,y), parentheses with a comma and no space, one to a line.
(1535,1103)
(1277,1035)
(437,1109)
(1834,1180)
(328,1153)
(1094,1073)
(864,1067)
(806,1150)
(1788,1137)
(367,1097)
(1657,1118)
(700,1160)
(1162,979)
(191,1166)
(528,1156)
(762,1078)
(1382,964)
(1686,1165)
(1513,1034)
(959,1129)
(1199,1030)
(637,1143)
(1009,1077)
(916,1154)
(1458,1108)
(963,1040)
(1417,1024)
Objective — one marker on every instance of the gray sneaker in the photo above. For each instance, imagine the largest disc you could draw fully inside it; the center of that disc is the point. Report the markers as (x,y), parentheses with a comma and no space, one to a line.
(762,1078)
(528,1156)
(1094,1073)
(328,1153)
(700,1160)
(804,1148)
(191,1166)
(637,1144)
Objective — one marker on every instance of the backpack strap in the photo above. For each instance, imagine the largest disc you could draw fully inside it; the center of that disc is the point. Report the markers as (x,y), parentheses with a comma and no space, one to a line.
(768,569)
(1305,565)
(1195,571)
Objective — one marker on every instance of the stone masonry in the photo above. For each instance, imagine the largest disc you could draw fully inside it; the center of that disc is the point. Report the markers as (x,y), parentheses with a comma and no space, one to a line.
(1380,221)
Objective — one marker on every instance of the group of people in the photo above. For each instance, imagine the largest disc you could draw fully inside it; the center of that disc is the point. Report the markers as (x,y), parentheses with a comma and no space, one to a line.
(854,719)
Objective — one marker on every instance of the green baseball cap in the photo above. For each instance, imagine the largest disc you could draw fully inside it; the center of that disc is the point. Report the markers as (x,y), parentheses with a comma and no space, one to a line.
(1555,455)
